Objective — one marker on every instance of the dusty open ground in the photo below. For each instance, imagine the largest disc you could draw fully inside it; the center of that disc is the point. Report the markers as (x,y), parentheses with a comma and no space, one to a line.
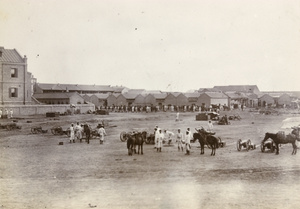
(36,172)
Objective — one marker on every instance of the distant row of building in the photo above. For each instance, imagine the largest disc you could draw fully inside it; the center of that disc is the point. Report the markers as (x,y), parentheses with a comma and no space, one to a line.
(18,86)
(145,98)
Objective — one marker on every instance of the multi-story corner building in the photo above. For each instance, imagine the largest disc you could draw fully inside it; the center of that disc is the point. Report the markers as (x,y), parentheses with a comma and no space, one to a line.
(15,80)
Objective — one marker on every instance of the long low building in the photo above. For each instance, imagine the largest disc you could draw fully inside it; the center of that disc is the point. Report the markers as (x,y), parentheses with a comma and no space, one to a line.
(60,98)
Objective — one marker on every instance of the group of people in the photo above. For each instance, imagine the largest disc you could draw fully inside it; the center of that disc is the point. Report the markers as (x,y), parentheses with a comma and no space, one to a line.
(76,132)
(6,113)
(167,136)
(183,139)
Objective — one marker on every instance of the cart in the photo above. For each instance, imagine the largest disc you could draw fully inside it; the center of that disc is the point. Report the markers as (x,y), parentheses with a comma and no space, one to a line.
(58,130)
(247,144)
(10,126)
(38,129)
(269,144)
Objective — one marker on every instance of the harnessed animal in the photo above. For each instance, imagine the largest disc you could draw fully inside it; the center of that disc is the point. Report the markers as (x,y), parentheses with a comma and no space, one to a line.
(280,138)
(205,137)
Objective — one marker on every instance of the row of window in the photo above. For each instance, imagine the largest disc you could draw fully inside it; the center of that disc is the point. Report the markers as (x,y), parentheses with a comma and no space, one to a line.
(51,102)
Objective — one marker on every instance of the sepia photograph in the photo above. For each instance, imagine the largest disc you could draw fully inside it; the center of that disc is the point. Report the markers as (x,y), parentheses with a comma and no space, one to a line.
(162,104)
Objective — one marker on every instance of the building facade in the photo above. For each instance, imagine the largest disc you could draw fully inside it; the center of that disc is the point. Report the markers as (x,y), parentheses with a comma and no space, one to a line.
(15,80)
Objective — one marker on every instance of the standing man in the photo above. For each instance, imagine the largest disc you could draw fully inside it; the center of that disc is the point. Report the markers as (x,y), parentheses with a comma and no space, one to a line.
(168,135)
(187,142)
(159,140)
(210,126)
(177,116)
(72,133)
(179,140)
(6,113)
(101,133)
(0,113)
(78,131)
(190,134)
(87,132)
(156,135)
(11,113)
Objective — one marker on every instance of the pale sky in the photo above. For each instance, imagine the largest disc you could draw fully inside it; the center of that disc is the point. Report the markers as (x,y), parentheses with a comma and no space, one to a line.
(157,45)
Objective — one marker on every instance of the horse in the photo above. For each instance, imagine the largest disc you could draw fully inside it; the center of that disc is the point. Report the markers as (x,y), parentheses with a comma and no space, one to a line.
(205,137)
(282,139)
(133,140)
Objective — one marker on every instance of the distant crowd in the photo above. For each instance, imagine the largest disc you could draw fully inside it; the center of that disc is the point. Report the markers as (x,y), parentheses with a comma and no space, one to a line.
(165,108)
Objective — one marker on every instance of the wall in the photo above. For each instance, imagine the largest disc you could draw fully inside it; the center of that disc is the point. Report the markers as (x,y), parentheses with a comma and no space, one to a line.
(150,100)
(284,99)
(170,100)
(24,91)
(140,100)
(42,109)
(182,100)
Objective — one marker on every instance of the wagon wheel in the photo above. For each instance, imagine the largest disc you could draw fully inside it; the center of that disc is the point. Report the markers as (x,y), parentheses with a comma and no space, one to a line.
(239,145)
(55,131)
(248,144)
(34,130)
(94,134)
(148,140)
(262,147)
(123,137)
(272,146)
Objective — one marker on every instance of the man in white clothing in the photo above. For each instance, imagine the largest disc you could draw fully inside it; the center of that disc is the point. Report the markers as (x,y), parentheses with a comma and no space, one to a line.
(78,133)
(177,116)
(168,136)
(101,133)
(210,126)
(159,140)
(180,140)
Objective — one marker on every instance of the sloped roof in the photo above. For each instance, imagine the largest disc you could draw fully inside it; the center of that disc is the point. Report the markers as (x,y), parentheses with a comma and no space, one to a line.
(118,88)
(252,95)
(102,96)
(10,55)
(74,87)
(152,92)
(209,90)
(160,96)
(236,95)
(192,95)
(130,95)
(65,95)
(218,95)
(175,94)
(136,91)
(263,95)
(114,94)
(241,88)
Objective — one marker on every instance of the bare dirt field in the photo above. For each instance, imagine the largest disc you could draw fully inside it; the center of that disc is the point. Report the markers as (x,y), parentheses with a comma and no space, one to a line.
(36,172)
